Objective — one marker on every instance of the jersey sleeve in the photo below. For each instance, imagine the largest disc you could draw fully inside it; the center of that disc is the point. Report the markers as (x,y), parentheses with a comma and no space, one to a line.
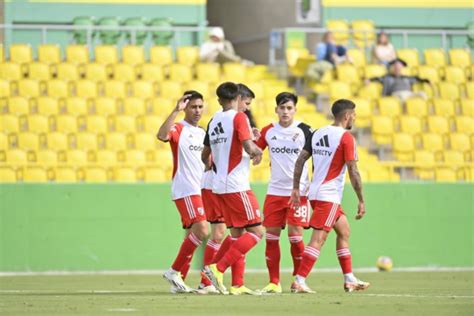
(175,131)
(206,137)
(349,147)
(308,146)
(262,141)
(307,130)
(242,127)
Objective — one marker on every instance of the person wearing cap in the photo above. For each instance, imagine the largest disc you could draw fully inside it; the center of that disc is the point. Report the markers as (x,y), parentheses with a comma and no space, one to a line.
(398,85)
(218,49)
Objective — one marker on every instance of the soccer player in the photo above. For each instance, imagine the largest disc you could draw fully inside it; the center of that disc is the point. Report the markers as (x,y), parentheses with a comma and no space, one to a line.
(285,139)
(333,150)
(186,138)
(229,139)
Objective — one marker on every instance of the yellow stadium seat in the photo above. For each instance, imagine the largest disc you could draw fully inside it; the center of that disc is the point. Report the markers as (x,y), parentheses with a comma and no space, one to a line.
(435,57)
(95,175)
(389,106)
(464,124)
(46,157)
(77,54)
(106,54)
(18,105)
(410,56)
(460,57)
(411,125)
(427,159)
(105,105)
(448,90)
(4,88)
(28,88)
(467,107)
(96,72)
(86,88)
(10,71)
(57,88)
(459,141)
(453,157)
(382,129)
(444,107)
(340,30)
(200,86)
(37,123)
(96,124)
(180,72)
(380,174)
(161,55)
(57,141)
(9,123)
(9,175)
(35,174)
(374,70)
(3,141)
(455,74)
(123,72)
(151,123)
(470,89)
(115,141)
(124,123)
(134,106)
(86,141)
(432,142)
(236,71)
(39,71)
(21,53)
(162,106)
(171,89)
(65,123)
(133,55)
(125,175)
(65,175)
(106,157)
(144,141)
(348,73)
(67,71)
(364,32)
(438,124)
(135,157)
(16,157)
(143,89)
(403,146)
(28,141)
(417,107)
(445,175)
(49,54)
(293,54)
(164,158)
(187,55)
(357,56)
(371,91)
(155,175)
(76,106)
(151,72)
(430,73)
(75,157)
(338,89)
(115,89)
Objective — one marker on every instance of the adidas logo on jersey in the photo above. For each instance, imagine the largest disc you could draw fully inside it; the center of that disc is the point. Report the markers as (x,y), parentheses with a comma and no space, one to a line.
(218,129)
(323,142)
(274,138)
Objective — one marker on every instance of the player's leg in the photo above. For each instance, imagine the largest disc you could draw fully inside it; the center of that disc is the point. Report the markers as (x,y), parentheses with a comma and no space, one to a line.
(298,219)
(342,229)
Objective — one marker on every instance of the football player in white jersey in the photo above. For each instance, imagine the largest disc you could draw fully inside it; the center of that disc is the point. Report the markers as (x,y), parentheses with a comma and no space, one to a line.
(285,139)
(333,149)
(186,138)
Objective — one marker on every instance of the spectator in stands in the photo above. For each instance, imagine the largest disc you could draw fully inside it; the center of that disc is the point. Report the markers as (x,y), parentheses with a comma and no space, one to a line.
(383,52)
(218,49)
(398,85)
(328,55)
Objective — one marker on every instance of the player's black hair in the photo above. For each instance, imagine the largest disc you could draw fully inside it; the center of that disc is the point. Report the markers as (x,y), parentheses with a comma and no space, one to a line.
(227,91)
(194,95)
(284,97)
(341,106)
(245,91)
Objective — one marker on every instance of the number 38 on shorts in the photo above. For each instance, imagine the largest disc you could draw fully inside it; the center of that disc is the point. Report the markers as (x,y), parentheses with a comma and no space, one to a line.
(277,212)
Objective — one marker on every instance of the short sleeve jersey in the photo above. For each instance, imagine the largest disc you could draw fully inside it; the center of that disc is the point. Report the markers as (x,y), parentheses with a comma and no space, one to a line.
(225,135)
(186,146)
(284,145)
(331,147)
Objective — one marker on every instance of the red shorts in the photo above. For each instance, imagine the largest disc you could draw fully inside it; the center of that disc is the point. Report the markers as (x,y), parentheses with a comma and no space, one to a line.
(212,207)
(240,209)
(325,214)
(277,212)
(191,210)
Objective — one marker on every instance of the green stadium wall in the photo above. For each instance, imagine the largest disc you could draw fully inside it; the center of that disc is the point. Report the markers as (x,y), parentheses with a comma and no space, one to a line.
(94,227)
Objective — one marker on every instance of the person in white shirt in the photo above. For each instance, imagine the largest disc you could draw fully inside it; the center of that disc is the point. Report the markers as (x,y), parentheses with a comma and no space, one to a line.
(219,50)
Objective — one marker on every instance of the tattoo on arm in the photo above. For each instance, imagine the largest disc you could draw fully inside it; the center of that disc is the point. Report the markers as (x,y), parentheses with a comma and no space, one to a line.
(356,181)
(299,165)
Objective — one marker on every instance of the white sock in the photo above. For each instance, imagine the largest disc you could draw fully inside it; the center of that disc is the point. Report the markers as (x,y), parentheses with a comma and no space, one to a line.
(173,270)
(349,277)
(299,279)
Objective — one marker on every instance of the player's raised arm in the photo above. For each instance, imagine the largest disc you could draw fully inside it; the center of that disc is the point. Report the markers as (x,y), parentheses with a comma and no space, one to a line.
(163,132)
(299,165)
(356,182)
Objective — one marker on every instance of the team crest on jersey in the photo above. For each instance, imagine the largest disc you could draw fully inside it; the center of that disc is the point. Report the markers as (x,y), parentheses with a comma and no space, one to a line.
(295,137)
(201,210)
(257,212)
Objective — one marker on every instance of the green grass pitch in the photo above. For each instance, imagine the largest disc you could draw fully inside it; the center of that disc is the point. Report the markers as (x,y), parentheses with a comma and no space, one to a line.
(393,293)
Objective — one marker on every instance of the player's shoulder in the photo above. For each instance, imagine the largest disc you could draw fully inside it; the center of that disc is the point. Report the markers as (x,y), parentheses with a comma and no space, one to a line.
(304,127)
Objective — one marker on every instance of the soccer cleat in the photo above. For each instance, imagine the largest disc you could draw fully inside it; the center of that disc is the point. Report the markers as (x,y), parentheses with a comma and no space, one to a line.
(300,288)
(177,283)
(356,286)
(209,289)
(242,290)
(271,288)
(216,277)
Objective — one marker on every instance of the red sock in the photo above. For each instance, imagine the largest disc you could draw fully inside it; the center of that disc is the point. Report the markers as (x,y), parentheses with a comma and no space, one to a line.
(223,249)
(272,255)
(210,251)
(297,249)
(185,269)
(345,260)
(238,269)
(186,251)
(239,248)
(310,255)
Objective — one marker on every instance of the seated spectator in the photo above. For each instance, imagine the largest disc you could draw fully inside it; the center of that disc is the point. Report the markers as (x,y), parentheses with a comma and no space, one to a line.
(383,52)
(218,50)
(398,85)
(328,55)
